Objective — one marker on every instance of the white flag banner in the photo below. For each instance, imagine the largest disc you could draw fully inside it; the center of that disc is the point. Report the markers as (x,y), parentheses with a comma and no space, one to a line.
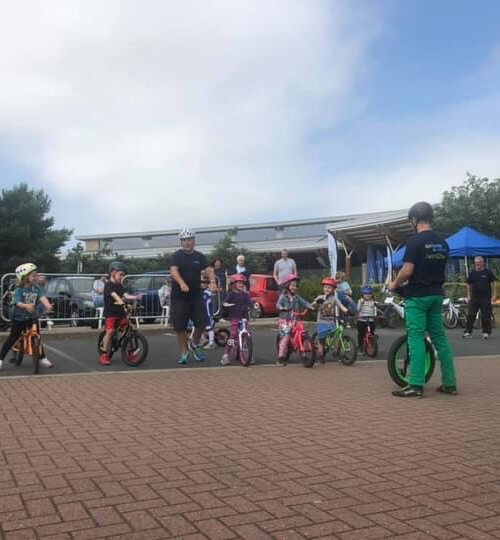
(389,265)
(332,253)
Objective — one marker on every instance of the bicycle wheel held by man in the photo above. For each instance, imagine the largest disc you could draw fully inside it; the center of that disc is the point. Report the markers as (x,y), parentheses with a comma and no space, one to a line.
(424,270)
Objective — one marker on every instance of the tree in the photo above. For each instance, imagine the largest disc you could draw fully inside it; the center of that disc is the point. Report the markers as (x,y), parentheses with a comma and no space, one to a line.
(475,203)
(26,230)
(227,250)
(98,263)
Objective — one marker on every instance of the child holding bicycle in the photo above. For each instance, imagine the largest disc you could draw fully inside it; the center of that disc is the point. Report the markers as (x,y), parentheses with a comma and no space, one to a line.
(238,303)
(289,304)
(367,312)
(209,309)
(326,320)
(114,306)
(25,301)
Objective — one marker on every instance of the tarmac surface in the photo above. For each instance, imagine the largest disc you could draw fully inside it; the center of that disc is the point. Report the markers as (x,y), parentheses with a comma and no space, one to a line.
(75,350)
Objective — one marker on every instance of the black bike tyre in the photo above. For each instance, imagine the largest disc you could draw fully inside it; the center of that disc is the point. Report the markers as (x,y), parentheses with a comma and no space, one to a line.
(392,361)
(371,348)
(99,341)
(245,352)
(221,337)
(307,356)
(144,349)
(288,352)
(35,347)
(315,343)
(450,320)
(351,358)
(393,319)
(20,354)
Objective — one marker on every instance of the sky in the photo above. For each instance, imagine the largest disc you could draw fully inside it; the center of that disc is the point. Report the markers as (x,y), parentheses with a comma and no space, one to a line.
(155,114)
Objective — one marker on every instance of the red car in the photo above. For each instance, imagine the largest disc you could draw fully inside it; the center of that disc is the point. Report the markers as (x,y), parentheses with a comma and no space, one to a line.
(264,292)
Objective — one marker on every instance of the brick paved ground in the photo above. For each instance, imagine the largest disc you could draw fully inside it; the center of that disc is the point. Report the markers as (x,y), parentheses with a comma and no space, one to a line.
(279,453)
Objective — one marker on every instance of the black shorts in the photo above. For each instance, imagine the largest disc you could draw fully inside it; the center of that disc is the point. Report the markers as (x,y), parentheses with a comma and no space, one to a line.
(184,309)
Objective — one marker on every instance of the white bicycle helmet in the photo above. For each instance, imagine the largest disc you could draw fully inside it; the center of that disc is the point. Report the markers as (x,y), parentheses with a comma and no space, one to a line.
(186,233)
(25,269)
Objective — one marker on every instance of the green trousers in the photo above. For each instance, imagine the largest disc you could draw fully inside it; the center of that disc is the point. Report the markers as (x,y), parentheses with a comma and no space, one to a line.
(425,314)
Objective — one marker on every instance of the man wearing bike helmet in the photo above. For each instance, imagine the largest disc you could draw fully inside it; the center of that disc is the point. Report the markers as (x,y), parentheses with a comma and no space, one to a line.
(423,269)
(187,302)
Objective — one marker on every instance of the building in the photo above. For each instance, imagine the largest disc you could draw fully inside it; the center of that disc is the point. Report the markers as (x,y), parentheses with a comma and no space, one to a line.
(306,239)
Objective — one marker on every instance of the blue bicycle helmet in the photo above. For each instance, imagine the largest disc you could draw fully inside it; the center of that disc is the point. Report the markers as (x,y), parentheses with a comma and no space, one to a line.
(367,290)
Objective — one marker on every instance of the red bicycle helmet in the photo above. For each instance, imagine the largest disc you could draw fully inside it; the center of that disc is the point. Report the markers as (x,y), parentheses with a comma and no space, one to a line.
(329,281)
(237,277)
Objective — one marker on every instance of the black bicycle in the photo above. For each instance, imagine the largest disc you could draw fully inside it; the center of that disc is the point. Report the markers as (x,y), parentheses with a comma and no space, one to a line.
(134,345)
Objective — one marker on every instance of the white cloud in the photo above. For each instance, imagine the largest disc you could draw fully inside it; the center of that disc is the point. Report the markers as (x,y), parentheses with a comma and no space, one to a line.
(189,111)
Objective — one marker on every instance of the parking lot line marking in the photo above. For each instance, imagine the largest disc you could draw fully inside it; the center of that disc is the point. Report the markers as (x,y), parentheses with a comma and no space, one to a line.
(68,357)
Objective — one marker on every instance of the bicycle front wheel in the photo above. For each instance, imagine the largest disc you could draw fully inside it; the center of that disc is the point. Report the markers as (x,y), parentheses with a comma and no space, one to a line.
(135,349)
(19,355)
(398,361)
(246,350)
(221,337)
(450,319)
(347,350)
(36,348)
(371,345)
(307,353)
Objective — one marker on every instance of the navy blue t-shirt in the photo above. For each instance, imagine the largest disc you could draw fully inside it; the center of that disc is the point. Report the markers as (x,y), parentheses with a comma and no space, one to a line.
(190,266)
(428,252)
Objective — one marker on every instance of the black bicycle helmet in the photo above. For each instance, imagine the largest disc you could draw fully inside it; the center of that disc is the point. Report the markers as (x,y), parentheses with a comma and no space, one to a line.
(421,211)
(118,266)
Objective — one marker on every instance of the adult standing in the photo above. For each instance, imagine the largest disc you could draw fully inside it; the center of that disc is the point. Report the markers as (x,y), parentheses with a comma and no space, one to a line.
(241,268)
(98,291)
(187,302)
(284,267)
(344,292)
(424,270)
(480,295)
(220,274)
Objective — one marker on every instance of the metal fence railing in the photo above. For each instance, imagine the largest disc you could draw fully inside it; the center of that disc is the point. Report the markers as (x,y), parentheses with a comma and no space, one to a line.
(76,299)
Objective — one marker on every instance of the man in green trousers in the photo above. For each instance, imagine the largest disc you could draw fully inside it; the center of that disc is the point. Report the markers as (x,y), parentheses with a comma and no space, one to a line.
(423,269)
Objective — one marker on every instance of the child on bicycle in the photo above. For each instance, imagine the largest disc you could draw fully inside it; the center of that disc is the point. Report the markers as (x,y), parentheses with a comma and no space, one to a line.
(367,312)
(209,308)
(289,304)
(238,303)
(114,306)
(24,307)
(326,320)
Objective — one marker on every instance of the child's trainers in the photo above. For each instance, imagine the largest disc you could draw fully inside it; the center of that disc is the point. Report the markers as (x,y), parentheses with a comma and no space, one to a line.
(225,360)
(45,362)
(184,358)
(197,351)
(104,359)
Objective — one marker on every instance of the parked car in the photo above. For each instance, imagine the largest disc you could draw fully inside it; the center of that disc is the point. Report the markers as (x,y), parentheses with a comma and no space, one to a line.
(147,286)
(72,299)
(264,292)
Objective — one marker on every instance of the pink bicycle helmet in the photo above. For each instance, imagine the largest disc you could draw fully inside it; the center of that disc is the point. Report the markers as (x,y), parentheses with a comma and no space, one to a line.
(237,277)
(288,279)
